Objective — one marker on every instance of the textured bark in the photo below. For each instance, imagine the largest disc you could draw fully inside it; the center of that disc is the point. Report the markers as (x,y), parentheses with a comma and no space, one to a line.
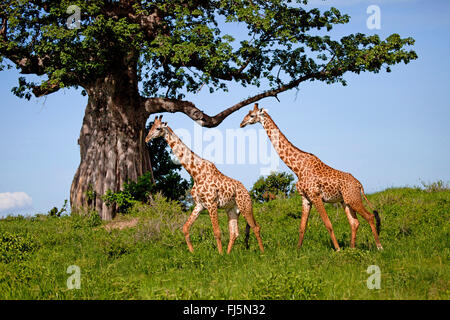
(111,143)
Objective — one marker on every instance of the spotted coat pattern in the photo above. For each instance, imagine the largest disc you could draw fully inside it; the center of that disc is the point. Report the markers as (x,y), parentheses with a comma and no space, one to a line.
(212,190)
(317,182)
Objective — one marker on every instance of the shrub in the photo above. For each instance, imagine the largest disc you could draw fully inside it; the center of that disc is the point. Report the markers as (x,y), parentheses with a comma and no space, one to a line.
(116,249)
(164,218)
(122,199)
(15,246)
(436,186)
(266,189)
(170,185)
(90,220)
(54,212)
(288,286)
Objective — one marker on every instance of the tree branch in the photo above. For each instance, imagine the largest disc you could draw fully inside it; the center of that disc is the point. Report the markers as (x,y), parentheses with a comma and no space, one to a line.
(156,105)
(22,58)
(40,91)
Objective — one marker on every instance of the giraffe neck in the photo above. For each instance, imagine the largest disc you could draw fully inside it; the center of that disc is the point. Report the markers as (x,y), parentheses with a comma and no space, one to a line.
(188,159)
(290,154)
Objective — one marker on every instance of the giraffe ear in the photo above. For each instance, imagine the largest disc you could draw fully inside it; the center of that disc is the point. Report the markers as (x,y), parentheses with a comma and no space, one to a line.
(261,111)
(164,124)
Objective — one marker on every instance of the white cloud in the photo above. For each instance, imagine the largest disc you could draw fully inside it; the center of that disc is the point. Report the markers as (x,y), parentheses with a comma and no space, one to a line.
(14,200)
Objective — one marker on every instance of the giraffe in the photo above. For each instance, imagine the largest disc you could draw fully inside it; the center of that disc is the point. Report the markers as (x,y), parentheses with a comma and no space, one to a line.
(318,183)
(211,190)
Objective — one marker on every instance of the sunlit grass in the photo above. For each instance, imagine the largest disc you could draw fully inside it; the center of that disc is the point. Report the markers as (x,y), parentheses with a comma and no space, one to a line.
(151,260)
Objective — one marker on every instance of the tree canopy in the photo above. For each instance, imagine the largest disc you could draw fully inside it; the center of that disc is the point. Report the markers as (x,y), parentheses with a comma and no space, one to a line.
(180,46)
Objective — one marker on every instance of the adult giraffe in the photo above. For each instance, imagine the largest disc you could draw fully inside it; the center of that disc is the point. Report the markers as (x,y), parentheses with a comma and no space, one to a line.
(211,190)
(317,182)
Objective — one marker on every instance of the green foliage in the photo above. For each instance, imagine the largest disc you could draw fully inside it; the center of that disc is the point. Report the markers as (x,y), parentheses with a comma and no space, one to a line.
(161,221)
(90,219)
(122,199)
(54,212)
(16,247)
(436,186)
(143,188)
(185,46)
(275,184)
(288,286)
(91,195)
(114,249)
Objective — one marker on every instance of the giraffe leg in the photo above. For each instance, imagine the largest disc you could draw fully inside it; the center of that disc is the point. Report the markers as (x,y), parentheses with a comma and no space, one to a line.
(317,201)
(244,204)
(354,223)
(232,227)
(188,224)
(359,207)
(212,209)
(306,208)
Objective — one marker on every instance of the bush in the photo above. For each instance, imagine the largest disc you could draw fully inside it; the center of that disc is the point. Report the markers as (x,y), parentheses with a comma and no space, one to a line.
(436,186)
(90,220)
(288,286)
(142,191)
(122,199)
(54,212)
(275,184)
(15,247)
(163,219)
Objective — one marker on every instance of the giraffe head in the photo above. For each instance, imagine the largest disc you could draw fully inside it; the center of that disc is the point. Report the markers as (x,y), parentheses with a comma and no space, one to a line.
(157,129)
(255,115)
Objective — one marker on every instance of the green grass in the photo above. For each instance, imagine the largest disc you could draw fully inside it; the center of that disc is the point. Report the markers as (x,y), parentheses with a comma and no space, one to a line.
(151,260)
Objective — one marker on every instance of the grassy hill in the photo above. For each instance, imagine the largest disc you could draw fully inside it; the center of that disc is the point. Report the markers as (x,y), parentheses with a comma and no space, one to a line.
(150,260)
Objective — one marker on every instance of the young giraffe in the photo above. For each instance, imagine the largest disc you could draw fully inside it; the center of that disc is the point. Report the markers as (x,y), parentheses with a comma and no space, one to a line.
(317,182)
(211,190)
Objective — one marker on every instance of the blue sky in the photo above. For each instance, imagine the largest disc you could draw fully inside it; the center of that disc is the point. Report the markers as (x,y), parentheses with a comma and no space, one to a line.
(387,129)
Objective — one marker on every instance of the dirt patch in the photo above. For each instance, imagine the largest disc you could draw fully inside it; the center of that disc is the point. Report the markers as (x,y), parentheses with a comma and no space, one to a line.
(122,224)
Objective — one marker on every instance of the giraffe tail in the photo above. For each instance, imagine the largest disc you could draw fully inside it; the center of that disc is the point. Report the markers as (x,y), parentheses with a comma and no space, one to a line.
(247,235)
(375,212)
(244,204)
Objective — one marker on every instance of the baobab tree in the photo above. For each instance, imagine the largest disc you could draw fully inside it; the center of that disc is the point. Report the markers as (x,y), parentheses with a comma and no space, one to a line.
(137,58)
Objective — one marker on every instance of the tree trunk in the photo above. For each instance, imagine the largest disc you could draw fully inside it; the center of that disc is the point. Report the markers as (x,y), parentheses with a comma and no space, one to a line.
(112,146)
